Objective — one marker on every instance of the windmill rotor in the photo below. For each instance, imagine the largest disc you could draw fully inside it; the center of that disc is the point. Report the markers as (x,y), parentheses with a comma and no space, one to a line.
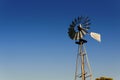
(79,28)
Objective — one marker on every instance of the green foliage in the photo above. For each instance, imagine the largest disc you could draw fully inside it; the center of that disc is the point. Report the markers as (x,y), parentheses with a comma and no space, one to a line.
(103,78)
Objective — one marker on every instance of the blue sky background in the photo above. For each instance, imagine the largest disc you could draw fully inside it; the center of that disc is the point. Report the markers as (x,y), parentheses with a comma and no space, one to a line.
(34,44)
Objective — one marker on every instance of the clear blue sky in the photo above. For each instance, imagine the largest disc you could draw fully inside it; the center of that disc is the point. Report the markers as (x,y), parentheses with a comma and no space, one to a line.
(34,44)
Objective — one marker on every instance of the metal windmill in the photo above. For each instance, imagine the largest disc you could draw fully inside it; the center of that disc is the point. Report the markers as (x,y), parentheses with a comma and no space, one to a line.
(77,30)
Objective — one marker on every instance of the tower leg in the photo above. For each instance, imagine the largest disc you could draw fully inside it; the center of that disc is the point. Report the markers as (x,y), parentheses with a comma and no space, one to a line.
(82,63)
(76,71)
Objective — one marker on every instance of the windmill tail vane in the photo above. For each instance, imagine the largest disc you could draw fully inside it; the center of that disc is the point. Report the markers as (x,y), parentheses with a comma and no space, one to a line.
(96,36)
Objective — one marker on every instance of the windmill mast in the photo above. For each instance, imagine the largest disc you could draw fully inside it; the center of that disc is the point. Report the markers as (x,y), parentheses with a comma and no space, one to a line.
(82,56)
(82,61)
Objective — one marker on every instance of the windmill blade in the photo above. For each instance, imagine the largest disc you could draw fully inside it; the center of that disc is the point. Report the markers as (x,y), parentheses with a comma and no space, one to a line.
(87,24)
(78,35)
(81,35)
(83,32)
(87,27)
(96,36)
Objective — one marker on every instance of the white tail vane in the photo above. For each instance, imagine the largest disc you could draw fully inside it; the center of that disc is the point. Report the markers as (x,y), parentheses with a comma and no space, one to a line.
(96,36)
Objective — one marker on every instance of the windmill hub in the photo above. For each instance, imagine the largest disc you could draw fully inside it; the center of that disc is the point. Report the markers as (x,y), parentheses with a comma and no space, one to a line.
(79,27)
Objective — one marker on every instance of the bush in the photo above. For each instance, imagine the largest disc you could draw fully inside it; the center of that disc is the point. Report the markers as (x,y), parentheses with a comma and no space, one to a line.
(103,78)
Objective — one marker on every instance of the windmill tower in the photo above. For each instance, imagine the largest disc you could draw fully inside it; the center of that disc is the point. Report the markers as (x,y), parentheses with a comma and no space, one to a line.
(77,30)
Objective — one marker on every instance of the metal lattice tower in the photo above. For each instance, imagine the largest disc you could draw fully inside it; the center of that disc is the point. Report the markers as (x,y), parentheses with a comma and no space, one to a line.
(82,59)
